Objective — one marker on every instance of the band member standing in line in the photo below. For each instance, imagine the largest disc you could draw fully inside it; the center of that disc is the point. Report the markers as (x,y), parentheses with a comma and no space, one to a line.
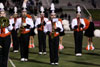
(5,39)
(23,26)
(40,24)
(14,32)
(53,27)
(78,25)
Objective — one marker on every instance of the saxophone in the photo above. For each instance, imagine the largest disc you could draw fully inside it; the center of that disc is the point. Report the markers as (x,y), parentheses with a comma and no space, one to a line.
(4,22)
(53,30)
(22,27)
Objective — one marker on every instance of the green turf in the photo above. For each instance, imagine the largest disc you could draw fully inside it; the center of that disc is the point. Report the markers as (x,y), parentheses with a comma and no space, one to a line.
(67,56)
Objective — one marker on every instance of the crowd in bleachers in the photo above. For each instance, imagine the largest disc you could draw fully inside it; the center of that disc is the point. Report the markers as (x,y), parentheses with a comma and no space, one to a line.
(33,6)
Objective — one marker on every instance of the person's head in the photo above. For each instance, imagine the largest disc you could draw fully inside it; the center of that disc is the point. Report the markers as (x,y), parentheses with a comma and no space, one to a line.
(2,14)
(24,13)
(42,14)
(15,15)
(53,15)
(90,18)
(78,15)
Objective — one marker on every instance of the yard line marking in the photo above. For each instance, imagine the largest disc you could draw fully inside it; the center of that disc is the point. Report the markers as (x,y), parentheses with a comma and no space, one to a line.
(13,65)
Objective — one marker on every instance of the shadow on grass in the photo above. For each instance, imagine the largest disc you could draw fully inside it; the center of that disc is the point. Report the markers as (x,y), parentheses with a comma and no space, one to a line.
(33,52)
(84,63)
(93,54)
(36,61)
(31,60)
(66,54)
(37,52)
(66,47)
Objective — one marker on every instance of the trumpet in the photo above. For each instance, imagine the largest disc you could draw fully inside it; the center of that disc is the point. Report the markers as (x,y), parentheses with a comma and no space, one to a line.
(78,19)
(4,22)
(42,20)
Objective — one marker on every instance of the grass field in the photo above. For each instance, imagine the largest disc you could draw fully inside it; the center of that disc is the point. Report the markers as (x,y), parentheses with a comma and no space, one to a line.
(67,57)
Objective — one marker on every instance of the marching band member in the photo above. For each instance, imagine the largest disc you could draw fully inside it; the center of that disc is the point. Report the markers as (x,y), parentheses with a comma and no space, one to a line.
(14,32)
(5,39)
(23,26)
(40,24)
(78,25)
(53,27)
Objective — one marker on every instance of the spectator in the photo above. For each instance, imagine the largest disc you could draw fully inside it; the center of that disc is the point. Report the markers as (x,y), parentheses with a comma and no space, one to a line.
(69,4)
(82,0)
(3,1)
(93,3)
(69,18)
(35,10)
(46,12)
(65,16)
(62,16)
(55,1)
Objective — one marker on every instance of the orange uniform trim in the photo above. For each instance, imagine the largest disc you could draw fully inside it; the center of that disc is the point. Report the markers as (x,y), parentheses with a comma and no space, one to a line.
(79,29)
(5,34)
(60,20)
(42,27)
(86,25)
(56,34)
(29,16)
(24,32)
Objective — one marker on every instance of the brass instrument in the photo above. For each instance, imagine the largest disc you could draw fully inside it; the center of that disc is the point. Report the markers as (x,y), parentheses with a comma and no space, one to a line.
(4,22)
(42,20)
(78,20)
(53,30)
(41,23)
(21,28)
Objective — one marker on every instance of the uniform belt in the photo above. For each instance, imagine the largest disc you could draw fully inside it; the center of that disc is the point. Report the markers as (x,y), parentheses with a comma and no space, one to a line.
(55,34)
(25,32)
(5,34)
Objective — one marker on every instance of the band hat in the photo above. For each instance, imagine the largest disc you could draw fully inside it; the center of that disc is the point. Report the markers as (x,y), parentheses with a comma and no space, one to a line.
(78,9)
(24,6)
(42,10)
(15,10)
(52,9)
(1,7)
